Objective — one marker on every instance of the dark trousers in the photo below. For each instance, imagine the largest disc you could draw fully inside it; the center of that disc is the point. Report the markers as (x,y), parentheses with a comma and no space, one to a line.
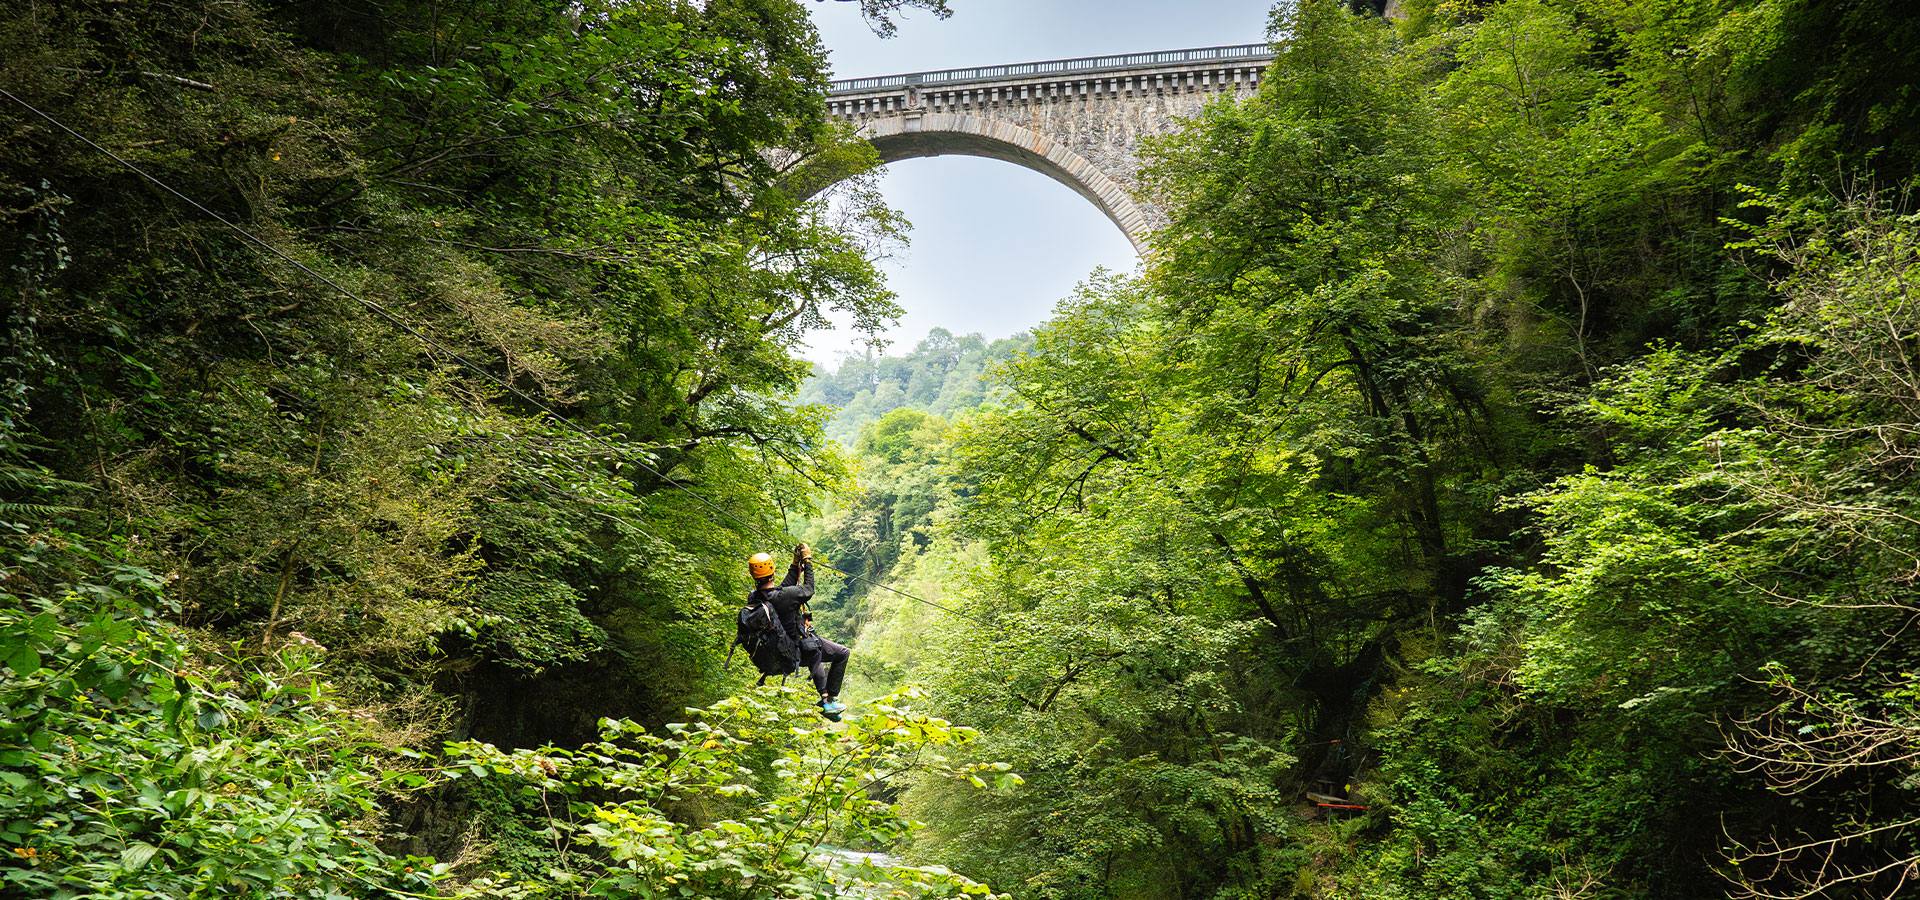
(828,667)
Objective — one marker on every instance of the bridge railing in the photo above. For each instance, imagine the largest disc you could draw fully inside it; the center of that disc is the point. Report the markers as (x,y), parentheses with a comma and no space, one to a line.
(1056,67)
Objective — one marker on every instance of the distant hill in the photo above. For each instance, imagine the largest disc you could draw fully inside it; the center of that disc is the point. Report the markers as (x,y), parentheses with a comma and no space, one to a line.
(941,375)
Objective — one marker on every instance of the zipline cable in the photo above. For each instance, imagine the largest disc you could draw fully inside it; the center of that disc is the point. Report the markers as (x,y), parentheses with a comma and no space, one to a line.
(401,324)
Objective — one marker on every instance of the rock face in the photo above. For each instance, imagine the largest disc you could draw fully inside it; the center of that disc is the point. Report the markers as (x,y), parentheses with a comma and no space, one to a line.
(1077,121)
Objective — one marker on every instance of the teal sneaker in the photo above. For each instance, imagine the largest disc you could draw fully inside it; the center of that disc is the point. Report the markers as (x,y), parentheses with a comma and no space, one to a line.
(832,708)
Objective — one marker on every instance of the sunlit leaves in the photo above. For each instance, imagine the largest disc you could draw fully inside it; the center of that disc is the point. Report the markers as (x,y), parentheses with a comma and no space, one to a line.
(760,834)
(134,767)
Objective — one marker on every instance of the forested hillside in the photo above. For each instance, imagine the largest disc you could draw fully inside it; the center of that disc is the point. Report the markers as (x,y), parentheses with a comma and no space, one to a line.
(459,434)
(943,375)
(1498,482)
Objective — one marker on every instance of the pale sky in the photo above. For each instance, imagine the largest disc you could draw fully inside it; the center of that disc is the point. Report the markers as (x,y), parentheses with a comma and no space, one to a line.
(994,245)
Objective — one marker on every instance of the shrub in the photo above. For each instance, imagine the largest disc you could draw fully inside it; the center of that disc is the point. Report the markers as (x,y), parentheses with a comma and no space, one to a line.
(135,767)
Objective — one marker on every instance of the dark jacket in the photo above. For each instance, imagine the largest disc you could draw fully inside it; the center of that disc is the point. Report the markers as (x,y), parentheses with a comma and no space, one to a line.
(787,598)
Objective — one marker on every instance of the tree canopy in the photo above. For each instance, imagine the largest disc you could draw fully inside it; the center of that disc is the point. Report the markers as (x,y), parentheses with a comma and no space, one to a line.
(1498,482)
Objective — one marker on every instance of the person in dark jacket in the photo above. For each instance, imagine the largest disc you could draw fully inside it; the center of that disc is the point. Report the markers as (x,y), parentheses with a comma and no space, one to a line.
(825,660)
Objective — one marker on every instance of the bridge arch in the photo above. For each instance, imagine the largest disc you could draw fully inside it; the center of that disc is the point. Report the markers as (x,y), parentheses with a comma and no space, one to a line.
(956,134)
(1077,121)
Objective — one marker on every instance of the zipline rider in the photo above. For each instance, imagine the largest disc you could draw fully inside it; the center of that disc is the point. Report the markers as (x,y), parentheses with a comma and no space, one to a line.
(789,602)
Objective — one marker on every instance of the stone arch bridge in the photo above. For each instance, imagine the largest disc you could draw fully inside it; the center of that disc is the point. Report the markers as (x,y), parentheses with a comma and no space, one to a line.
(1078,121)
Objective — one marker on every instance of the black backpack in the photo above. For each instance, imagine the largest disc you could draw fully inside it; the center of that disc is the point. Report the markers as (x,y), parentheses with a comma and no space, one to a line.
(758,629)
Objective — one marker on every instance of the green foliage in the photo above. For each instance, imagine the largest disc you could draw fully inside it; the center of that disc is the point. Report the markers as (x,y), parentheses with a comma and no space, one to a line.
(900,408)
(582,203)
(879,13)
(681,814)
(1453,453)
(1145,771)
(905,491)
(135,767)
(1476,448)
(944,375)
(1822,86)
(898,632)
(536,622)
(1747,530)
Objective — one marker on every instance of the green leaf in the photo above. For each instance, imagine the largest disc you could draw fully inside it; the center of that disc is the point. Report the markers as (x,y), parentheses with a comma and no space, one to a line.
(24,661)
(115,685)
(45,628)
(137,855)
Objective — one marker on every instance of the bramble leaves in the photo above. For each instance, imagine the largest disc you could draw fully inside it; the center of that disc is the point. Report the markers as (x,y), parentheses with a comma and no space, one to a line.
(136,767)
(763,830)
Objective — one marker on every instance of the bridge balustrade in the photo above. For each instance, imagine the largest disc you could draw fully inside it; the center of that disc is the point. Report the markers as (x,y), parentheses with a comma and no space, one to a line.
(1058,66)
(1017,113)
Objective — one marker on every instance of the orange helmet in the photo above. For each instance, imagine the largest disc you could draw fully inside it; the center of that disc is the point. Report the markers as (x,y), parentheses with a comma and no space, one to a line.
(760,565)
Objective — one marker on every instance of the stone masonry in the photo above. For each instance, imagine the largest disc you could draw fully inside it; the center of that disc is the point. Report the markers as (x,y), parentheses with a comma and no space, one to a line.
(1078,121)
